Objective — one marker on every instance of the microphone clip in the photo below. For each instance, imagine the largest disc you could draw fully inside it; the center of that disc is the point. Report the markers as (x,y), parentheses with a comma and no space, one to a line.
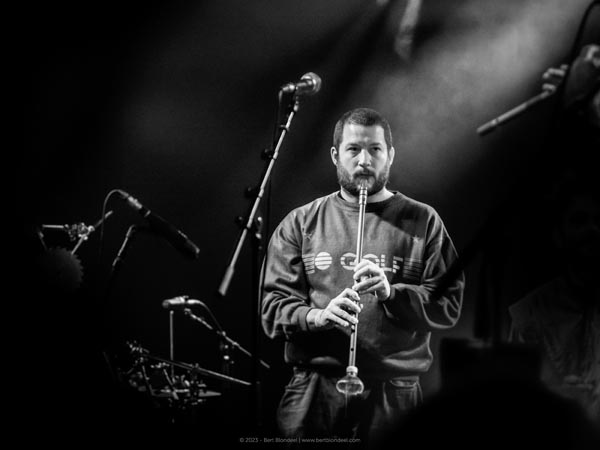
(79,231)
(267,154)
(252,192)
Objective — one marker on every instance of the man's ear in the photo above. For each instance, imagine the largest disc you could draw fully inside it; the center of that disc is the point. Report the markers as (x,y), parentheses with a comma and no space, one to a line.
(391,154)
(334,155)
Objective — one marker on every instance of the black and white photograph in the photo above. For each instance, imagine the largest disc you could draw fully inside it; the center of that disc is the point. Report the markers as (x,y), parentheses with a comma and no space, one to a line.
(294,224)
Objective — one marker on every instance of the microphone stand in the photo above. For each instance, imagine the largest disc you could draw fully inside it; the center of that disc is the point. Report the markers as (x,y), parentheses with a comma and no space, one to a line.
(221,333)
(249,225)
(115,268)
(253,225)
(224,347)
(172,340)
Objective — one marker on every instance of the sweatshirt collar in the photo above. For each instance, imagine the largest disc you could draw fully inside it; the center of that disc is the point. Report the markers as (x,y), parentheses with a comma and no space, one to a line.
(371,207)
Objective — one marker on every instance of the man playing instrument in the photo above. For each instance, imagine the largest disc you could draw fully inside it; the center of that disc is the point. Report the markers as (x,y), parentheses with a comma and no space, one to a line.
(315,292)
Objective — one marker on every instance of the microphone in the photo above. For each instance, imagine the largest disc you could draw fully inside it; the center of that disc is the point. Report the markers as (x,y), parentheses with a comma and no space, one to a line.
(159,225)
(181,302)
(309,84)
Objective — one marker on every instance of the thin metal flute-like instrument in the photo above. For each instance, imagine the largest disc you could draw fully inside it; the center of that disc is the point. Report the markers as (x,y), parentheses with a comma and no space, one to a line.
(351,384)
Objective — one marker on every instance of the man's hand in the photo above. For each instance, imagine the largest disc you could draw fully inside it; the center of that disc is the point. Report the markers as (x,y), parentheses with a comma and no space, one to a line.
(338,312)
(554,76)
(583,76)
(370,278)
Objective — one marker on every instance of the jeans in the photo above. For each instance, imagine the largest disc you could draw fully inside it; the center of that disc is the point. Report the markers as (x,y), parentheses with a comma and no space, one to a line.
(312,407)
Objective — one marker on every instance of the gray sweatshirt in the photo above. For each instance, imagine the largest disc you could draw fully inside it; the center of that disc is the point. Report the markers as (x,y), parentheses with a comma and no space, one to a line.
(311,258)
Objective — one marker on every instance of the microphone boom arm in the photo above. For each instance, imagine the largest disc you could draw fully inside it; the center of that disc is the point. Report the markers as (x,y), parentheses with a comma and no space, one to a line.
(223,335)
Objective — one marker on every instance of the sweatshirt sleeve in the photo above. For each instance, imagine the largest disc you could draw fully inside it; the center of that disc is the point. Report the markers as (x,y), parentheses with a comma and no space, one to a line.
(413,304)
(284,291)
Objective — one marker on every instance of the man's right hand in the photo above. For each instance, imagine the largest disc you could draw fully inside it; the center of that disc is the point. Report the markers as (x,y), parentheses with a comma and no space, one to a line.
(338,312)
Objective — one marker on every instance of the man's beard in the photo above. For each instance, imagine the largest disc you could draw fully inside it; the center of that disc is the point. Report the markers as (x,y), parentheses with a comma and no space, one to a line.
(352,183)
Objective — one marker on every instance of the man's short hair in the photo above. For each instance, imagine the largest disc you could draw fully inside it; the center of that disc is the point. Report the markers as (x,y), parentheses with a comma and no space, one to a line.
(362,116)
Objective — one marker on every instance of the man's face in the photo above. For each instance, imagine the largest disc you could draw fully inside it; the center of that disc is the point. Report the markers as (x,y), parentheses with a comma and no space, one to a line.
(362,155)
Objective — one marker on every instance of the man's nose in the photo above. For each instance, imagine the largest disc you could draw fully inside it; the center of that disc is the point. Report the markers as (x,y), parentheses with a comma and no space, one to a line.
(364,158)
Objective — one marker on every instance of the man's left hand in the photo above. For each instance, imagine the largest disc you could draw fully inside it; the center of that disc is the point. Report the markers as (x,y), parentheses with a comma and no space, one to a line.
(370,278)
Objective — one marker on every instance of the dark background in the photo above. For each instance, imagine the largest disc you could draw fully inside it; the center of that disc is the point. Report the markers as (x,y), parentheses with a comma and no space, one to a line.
(175,102)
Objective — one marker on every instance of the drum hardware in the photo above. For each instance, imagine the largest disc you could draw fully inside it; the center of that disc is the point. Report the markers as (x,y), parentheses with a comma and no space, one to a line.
(79,232)
(59,268)
(150,375)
